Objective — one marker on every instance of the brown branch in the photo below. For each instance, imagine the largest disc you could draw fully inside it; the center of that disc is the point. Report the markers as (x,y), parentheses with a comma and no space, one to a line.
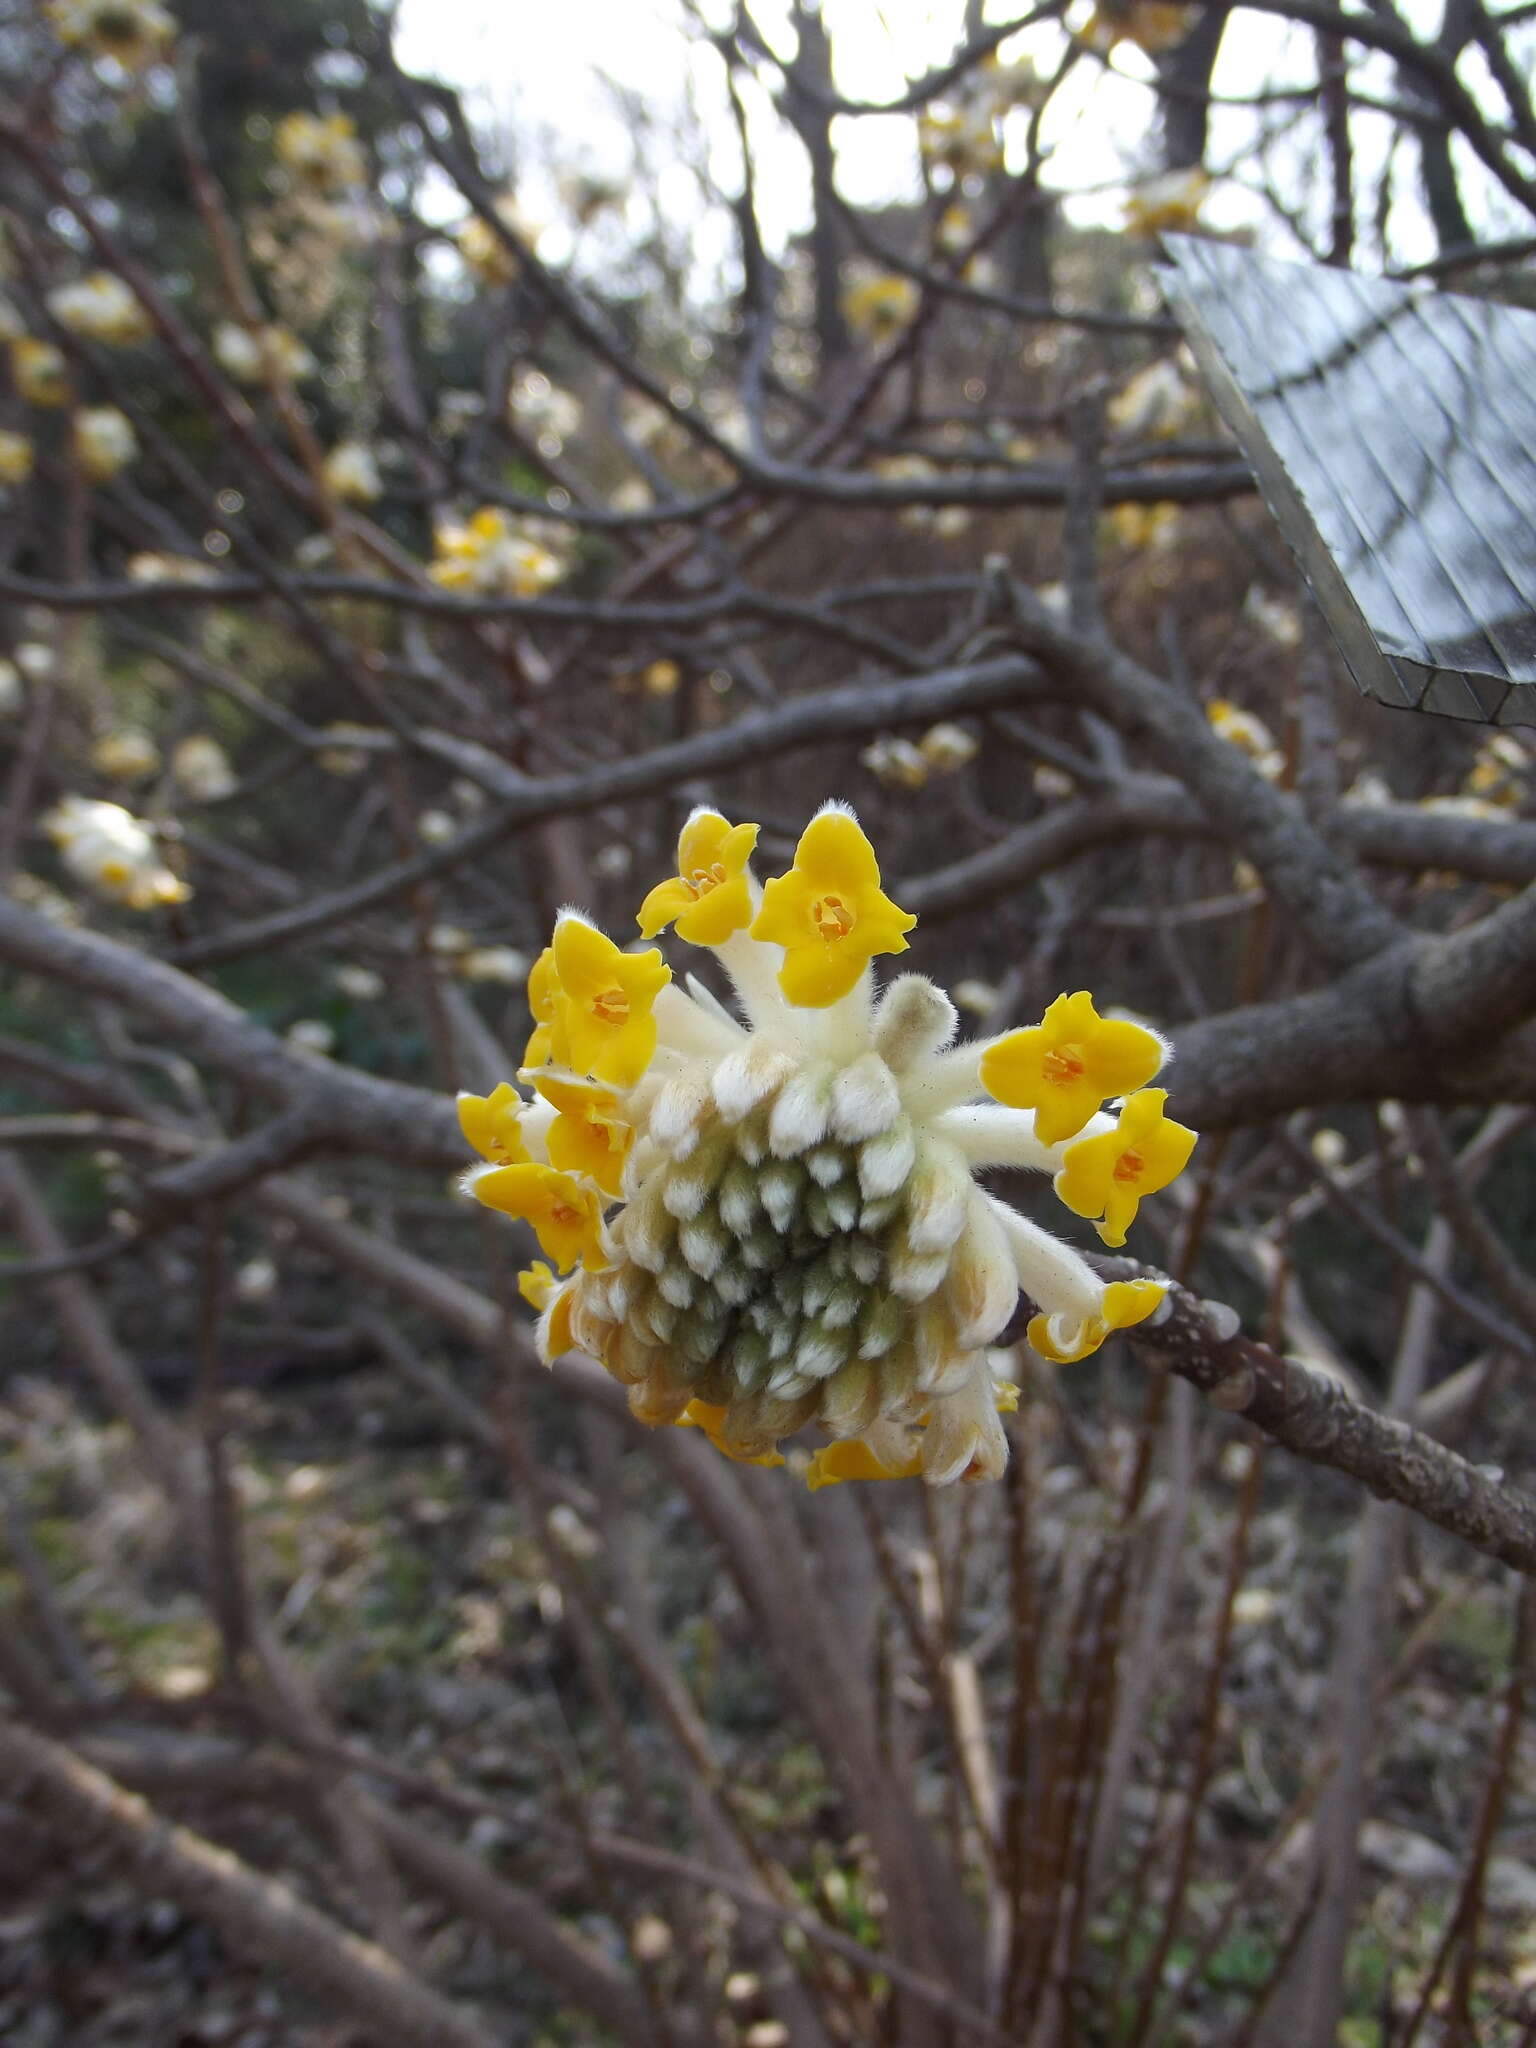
(1316,1419)
(257,1915)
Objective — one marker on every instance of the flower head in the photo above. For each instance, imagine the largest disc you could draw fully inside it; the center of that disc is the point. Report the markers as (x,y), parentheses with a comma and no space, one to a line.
(1066,1065)
(1107,1177)
(829,912)
(710,896)
(773,1217)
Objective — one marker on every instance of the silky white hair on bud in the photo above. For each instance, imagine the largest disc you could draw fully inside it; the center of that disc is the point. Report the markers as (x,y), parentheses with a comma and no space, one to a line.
(913,1021)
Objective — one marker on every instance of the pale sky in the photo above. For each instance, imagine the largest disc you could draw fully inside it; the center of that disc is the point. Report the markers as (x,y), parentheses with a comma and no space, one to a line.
(530,68)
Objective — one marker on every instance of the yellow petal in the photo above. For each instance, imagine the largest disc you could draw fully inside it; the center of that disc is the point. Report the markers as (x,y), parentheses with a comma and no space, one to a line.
(719,912)
(784,918)
(490,1124)
(667,901)
(834,1463)
(700,841)
(834,854)
(814,976)
(1127,1302)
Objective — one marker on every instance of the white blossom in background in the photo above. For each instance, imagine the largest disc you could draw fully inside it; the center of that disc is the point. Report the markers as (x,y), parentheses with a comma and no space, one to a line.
(126,755)
(201,768)
(351,471)
(112,852)
(100,308)
(252,355)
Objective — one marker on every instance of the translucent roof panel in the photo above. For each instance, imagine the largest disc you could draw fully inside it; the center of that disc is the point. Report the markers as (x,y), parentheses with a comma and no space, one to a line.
(1392,431)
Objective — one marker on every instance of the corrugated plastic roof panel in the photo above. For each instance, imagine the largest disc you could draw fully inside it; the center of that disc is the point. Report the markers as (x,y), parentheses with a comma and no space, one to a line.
(1393,433)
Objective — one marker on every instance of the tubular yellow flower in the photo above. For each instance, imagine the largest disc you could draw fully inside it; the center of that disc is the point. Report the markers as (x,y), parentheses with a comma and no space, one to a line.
(829,912)
(710,896)
(589,1136)
(537,1285)
(566,1217)
(1065,1066)
(854,1459)
(1106,1178)
(603,1023)
(492,1124)
(1126,1302)
(543,987)
(710,1417)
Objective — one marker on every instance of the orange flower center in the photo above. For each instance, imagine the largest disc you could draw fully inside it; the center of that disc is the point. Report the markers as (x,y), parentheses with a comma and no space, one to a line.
(832,917)
(611,1006)
(563,1214)
(702,880)
(1062,1063)
(1129,1166)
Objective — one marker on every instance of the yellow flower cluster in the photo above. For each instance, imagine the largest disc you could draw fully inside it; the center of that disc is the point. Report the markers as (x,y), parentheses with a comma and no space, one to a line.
(484,251)
(879,306)
(321,151)
(1248,733)
(39,372)
(1168,204)
(768,1221)
(1152,25)
(113,852)
(251,355)
(134,33)
(494,555)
